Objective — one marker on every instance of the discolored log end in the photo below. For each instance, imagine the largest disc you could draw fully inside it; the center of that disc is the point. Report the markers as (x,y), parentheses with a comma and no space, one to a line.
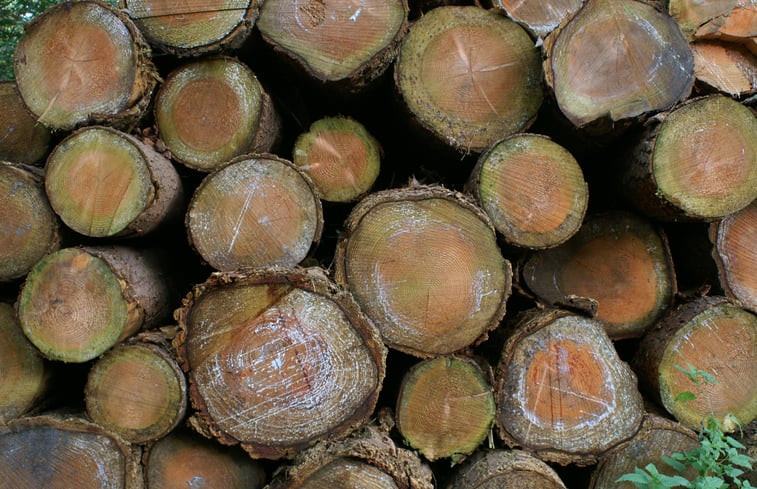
(469,76)
(28,226)
(617,60)
(562,392)
(257,211)
(84,62)
(539,16)
(711,335)
(278,360)
(22,139)
(424,265)
(336,40)
(716,19)
(727,68)
(620,261)
(211,110)
(193,28)
(445,407)
(734,252)
(532,189)
(340,156)
(502,469)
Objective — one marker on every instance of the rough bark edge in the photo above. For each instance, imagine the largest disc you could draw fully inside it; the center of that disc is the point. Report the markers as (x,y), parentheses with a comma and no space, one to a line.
(313,280)
(717,232)
(499,462)
(416,194)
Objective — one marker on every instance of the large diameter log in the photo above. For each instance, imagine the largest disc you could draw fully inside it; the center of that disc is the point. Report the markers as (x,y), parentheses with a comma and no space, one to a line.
(22,139)
(503,469)
(78,302)
(540,17)
(617,259)
(28,225)
(735,254)
(64,452)
(617,59)
(278,360)
(424,265)
(698,163)
(469,76)
(562,392)
(711,335)
(337,40)
(257,211)
(103,182)
(195,27)
(532,189)
(211,110)
(84,62)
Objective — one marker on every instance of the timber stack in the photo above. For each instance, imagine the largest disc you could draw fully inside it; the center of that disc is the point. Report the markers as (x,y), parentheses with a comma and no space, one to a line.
(385,244)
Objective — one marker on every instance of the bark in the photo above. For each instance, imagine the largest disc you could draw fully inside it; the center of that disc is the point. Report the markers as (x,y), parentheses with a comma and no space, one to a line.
(540,17)
(469,76)
(532,189)
(562,392)
(211,110)
(22,140)
(28,226)
(424,265)
(502,469)
(734,251)
(278,360)
(232,223)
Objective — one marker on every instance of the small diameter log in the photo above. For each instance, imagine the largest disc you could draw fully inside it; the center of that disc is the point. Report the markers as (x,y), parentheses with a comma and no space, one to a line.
(22,139)
(657,438)
(211,110)
(25,378)
(424,265)
(728,68)
(698,163)
(84,62)
(78,302)
(735,254)
(337,40)
(28,226)
(103,182)
(469,76)
(445,407)
(257,211)
(728,20)
(278,360)
(714,336)
(617,260)
(503,469)
(65,452)
(617,60)
(193,28)
(185,460)
(136,390)
(540,17)
(340,156)
(562,392)
(532,189)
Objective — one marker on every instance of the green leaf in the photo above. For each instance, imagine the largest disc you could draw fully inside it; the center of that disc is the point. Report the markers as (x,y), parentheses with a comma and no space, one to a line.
(741,460)
(710,483)
(673,462)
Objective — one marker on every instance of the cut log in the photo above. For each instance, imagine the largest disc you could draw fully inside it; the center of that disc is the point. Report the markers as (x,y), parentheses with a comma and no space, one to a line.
(257,211)
(103,182)
(540,17)
(136,390)
(22,139)
(78,302)
(337,40)
(532,189)
(657,438)
(735,254)
(212,110)
(445,407)
(64,452)
(698,163)
(728,20)
(25,377)
(727,68)
(469,76)
(195,27)
(340,156)
(424,265)
(619,261)
(28,226)
(84,62)
(713,336)
(616,60)
(184,460)
(278,360)
(502,469)
(562,392)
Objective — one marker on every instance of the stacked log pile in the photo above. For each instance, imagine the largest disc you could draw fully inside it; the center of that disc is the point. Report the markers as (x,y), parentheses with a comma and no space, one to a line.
(376,244)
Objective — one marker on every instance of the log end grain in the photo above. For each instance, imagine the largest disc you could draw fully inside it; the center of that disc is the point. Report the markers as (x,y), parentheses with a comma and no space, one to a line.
(736,256)
(22,139)
(541,17)
(502,469)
